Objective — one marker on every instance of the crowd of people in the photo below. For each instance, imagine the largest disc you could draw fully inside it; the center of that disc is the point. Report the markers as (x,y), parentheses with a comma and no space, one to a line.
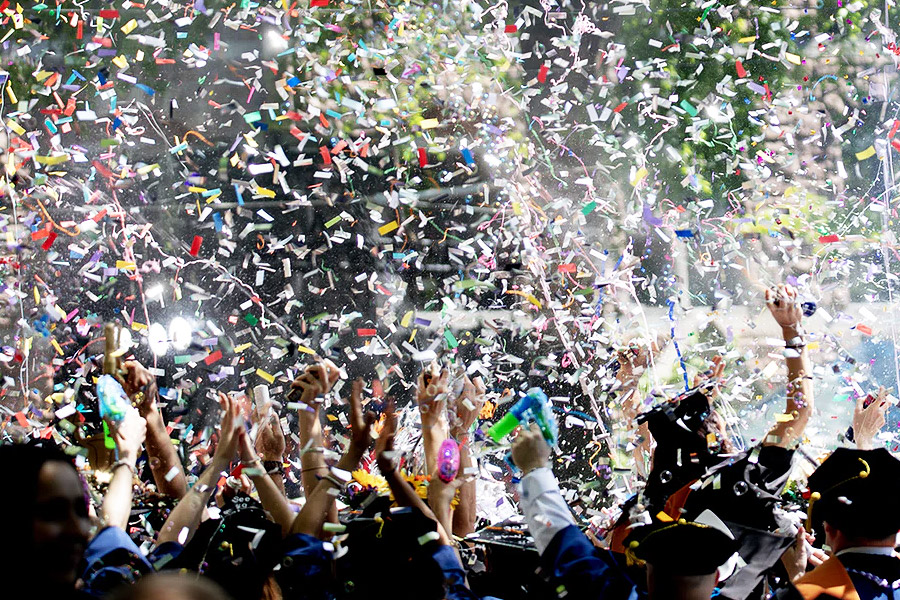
(710,520)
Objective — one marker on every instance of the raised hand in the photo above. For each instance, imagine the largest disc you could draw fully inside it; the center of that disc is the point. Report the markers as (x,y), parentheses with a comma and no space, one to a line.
(786,310)
(431,394)
(229,431)
(270,442)
(868,420)
(712,375)
(467,406)
(529,450)
(140,385)
(360,424)
(316,380)
(384,445)
(129,434)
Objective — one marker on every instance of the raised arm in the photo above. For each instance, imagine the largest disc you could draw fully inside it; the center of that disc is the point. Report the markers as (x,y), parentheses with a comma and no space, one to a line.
(128,435)
(271,497)
(782,303)
(185,517)
(467,408)
(315,382)
(168,472)
(270,444)
(431,394)
(319,502)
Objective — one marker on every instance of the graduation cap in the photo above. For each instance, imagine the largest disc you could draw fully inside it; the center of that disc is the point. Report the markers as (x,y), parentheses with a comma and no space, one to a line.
(853,489)
(684,547)
(238,550)
(383,539)
(682,454)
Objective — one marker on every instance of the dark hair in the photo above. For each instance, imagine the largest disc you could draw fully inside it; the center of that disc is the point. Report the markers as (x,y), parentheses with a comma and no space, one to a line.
(22,465)
(857,523)
(713,423)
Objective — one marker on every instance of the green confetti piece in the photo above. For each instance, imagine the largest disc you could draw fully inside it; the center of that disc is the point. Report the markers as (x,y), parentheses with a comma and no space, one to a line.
(182,359)
(467,284)
(253,117)
(689,108)
(331,223)
(451,340)
(250,318)
(589,208)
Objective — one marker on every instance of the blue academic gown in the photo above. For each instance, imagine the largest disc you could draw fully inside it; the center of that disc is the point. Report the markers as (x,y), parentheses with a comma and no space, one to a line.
(586,571)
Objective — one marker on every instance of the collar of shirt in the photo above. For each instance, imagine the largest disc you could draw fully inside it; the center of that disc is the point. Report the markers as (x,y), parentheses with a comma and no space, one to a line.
(883,550)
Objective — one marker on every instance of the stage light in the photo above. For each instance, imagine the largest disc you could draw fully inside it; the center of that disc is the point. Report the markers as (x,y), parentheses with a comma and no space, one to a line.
(158,339)
(180,333)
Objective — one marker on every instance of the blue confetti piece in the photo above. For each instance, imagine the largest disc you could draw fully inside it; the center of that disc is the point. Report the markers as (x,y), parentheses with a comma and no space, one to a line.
(293,81)
(149,90)
(217,219)
(684,233)
(467,156)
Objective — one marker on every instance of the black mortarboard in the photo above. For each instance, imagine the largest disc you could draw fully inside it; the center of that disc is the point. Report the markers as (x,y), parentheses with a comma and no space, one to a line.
(681,547)
(853,491)
(682,454)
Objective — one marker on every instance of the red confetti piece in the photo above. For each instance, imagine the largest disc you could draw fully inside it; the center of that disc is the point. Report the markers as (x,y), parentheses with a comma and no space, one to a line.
(50,239)
(511,29)
(326,155)
(895,145)
(620,107)
(366,332)
(213,358)
(864,329)
(739,67)
(109,14)
(96,218)
(829,239)
(542,73)
(315,3)
(566,268)
(423,157)
(894,129)
(103,170)
(20,417)
(195,245)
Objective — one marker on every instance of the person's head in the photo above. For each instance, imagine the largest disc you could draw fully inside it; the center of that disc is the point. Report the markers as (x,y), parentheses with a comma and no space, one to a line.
(850,496)
(172,586)
(715,425)
(663,584)
(238,551)
(683,559)
(47,512)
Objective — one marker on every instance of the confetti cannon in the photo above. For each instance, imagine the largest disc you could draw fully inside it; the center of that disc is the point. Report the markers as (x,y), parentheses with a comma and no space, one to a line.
(534,407)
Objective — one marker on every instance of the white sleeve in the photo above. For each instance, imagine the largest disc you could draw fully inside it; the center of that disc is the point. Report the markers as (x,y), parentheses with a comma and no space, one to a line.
(546,512)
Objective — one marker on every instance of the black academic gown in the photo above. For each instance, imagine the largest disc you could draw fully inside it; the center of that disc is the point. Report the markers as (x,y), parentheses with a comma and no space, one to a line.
(852,576)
